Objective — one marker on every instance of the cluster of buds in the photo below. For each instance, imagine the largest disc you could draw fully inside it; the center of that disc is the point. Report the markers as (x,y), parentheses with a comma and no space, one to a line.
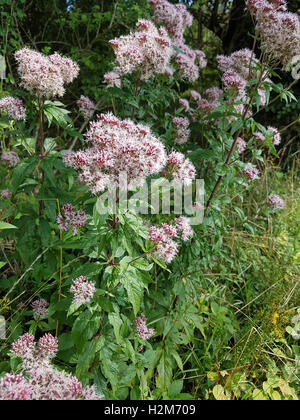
(148,50)
(83,290)
(165,247)
(71,218)
(39,379)
(45,76)
(13,107)
(141,328)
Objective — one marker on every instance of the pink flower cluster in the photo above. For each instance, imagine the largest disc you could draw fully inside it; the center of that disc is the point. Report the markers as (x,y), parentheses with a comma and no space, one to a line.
(72,218)
(13,107)
(166,248)
(86,106)
(141,328)
(5,193)
(275,202)
(184,103)
(274,134)
(183,226)
(279,30)
(234,84)
(11,158)
(43,75)
(209,102)
(238,69)
(251,173)
(240,145)
(40,380)
(118,148)
(112,78)
(183,132)
(39,307)
(83,290)
(147,50)
(181,168)
(176,18)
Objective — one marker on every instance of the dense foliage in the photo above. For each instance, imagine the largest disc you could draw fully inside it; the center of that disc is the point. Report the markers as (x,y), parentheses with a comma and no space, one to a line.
(130,304)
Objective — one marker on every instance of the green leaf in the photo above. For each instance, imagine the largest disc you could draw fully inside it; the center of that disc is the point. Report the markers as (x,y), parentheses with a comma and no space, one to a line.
(164,370)
(4,225)
(135,290)
(175,388)
(218,392)
(116,322)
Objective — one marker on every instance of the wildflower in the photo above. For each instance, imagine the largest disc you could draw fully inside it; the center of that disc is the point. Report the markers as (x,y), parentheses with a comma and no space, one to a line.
(169,71)
(275,202)
(195,95)
(71,218)
(276,138)
(141,328)
(275,317)
(24,345)
(259,136)
(182,169)
(40,380)
(11,158)
(251,173)
(39,307)
(175,19)
(118,147)
(86,106)
(240,145)
(234,83)
(279,30)
(69,70)
(183,131)
(112,79)
(147,50)
(189,70)
(14,387)
(213,94)
(6,193)
(48,345)
(83,290)
(165,247)
(183,226)
(45,75)
(13,107)
(184,103)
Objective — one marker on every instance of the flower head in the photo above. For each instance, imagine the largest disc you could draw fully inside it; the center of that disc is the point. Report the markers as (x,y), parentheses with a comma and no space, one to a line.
(251,173)
(147,50)
(182,169)
(275,202)
(39,307)
(11,158)
(13,107)
(118,148)
(71,218)
(141,328)
(86,106)
(83,290)
(45,75)
(6,193)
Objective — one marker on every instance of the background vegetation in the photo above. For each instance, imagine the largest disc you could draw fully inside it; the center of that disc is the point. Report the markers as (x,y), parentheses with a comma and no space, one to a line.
(224,311)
